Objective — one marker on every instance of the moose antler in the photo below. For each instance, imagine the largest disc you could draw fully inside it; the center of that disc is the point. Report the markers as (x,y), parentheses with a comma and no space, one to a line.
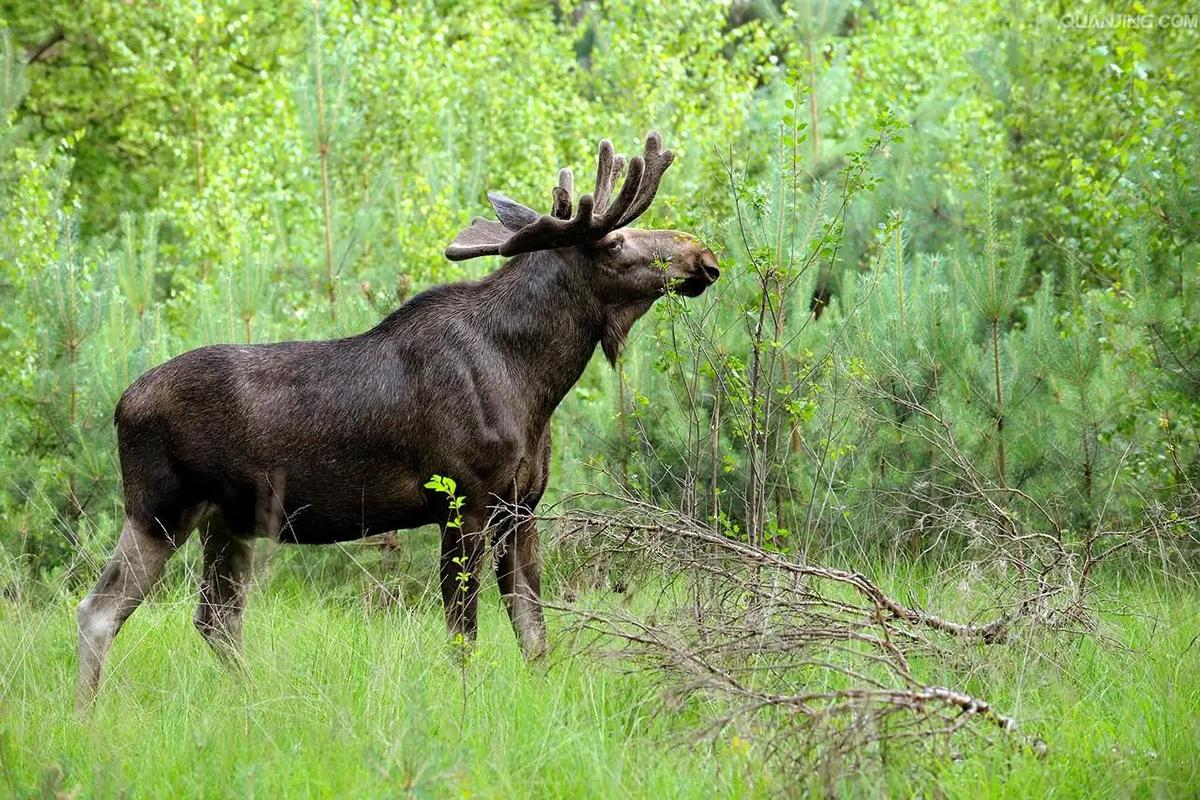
(521,230)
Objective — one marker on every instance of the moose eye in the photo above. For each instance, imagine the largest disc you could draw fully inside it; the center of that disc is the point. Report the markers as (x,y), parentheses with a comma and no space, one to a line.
(613,244)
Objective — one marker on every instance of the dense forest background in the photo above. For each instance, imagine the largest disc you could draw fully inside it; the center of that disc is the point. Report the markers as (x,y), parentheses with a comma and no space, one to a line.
(955,349)
(997,213)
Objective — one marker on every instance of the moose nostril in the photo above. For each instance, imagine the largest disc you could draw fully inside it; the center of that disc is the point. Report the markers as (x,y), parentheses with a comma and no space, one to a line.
(708,266)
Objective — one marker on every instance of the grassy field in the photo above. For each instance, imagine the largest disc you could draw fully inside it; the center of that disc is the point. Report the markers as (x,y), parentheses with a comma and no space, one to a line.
(341,700)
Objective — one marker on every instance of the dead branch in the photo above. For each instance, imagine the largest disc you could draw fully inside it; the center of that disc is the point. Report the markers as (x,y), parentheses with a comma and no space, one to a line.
(814,661)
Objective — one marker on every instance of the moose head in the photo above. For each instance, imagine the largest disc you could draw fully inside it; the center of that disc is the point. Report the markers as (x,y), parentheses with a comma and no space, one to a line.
(623,269)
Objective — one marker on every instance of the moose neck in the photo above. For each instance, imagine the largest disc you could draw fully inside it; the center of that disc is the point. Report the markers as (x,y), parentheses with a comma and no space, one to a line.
(547,322)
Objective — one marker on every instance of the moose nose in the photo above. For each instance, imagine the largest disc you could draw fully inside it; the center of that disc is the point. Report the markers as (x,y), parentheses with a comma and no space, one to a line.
(708,266)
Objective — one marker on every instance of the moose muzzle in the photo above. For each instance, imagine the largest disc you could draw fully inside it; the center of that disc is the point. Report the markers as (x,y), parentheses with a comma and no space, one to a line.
(698,275)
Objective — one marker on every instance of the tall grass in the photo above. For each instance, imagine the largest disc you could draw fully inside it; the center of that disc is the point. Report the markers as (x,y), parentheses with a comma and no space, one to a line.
(342,698)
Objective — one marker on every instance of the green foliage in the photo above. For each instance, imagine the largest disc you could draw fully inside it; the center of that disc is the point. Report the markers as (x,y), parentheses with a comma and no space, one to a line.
(996,213)
(959,312)
(335,702)
(454,501)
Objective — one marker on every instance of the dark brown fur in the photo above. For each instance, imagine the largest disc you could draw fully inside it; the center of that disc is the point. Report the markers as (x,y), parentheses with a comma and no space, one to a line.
(317,442)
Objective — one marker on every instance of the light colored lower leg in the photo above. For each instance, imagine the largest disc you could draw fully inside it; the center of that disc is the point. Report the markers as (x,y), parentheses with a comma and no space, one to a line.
(518,571)
(526,613)
(126,580)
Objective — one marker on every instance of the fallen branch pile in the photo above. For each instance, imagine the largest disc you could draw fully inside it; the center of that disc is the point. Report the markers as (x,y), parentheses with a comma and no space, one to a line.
(811,662)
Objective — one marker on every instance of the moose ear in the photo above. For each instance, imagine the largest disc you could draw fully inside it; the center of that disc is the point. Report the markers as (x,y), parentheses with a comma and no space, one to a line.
(482,238)
(512,214)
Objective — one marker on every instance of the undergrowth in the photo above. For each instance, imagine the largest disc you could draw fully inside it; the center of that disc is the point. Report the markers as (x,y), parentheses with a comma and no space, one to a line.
(341,696)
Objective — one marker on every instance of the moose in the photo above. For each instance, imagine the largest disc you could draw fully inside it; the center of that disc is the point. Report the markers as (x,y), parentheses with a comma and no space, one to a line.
(314,442)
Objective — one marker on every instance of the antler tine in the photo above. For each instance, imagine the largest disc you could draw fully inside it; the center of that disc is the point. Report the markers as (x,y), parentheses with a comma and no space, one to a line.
(612,216)
(656,162)
(614,174)
(562,194)
(604,174)
(582,221)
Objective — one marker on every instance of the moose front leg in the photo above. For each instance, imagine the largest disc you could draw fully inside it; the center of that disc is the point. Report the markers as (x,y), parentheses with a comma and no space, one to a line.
(462,556)
(519,573)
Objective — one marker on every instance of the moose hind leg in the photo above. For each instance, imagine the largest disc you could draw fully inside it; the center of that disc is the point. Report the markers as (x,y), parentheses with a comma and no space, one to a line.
(518,571)
(227,561)
(127,578)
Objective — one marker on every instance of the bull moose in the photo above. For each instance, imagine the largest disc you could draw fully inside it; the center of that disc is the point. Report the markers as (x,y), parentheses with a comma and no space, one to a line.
(322,441)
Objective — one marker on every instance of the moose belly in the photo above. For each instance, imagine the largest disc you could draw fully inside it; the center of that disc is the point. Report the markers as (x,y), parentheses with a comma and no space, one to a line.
(320,509)
(308,525)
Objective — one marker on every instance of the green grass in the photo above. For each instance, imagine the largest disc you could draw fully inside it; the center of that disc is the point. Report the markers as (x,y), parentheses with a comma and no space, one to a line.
(339,700)
(1119,711)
